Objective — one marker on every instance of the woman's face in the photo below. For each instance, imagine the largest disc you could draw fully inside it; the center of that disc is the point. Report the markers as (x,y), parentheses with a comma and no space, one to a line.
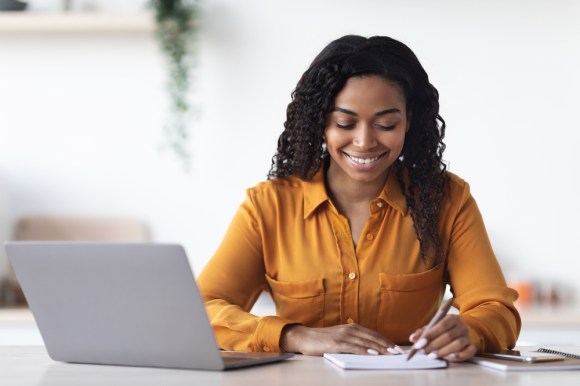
(366,130)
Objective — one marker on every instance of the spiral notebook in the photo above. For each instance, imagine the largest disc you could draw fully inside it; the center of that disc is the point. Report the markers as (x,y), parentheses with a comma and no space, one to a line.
(572,361)
(564,354)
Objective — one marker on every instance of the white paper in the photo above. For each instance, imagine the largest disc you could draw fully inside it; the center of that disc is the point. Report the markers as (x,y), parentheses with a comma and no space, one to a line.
(384,362)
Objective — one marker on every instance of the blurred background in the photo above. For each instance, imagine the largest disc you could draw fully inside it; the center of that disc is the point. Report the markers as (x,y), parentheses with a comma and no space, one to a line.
(83,101)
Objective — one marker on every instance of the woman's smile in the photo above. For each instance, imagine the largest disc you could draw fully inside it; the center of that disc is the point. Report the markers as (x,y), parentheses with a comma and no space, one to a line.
(365,160)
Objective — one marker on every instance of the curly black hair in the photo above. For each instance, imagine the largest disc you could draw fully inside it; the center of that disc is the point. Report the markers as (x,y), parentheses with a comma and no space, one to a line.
(420,169)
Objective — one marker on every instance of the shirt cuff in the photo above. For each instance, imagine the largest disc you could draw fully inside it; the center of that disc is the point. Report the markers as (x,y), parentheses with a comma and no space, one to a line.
(476,338)
(268,332)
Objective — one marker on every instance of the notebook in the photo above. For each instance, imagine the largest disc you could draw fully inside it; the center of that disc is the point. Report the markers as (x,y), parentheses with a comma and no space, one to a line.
(572,353)
(572,361)
(385,362)
(134,304)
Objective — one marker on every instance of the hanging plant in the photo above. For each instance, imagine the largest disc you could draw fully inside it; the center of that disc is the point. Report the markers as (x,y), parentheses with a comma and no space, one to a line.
(175,31)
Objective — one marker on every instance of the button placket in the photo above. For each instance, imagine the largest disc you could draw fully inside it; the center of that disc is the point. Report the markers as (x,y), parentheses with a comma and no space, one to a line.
(349,264)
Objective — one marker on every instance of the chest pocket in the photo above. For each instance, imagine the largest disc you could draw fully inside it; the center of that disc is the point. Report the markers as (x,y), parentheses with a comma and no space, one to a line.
(408,301)
(299,301)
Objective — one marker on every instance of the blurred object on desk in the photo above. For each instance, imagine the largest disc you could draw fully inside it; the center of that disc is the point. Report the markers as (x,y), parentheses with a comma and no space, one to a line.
(541,292)
(525,289)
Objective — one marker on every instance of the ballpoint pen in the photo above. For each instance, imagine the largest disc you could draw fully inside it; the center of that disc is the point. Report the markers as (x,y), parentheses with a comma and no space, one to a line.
(437,317)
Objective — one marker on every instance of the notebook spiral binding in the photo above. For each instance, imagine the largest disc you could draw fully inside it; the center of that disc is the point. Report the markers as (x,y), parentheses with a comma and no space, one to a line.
(564,354)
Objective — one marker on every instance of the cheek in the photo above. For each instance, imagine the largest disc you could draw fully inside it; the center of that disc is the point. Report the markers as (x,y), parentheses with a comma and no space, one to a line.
(395,143)
(333,139)
(395,140)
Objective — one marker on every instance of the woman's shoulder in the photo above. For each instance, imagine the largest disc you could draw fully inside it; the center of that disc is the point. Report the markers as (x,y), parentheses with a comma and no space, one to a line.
(277,186)
(458,188)
(455,180)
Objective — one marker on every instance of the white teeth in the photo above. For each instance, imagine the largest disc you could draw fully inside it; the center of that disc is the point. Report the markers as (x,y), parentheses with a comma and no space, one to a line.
(363,161)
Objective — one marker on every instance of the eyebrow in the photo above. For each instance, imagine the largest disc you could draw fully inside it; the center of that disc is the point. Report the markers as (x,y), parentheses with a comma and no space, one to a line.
(383,112)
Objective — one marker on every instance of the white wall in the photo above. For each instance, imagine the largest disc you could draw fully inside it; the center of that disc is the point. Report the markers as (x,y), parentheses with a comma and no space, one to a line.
(80,116)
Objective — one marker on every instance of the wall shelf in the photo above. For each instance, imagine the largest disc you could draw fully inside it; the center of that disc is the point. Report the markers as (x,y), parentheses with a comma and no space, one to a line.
(29,22)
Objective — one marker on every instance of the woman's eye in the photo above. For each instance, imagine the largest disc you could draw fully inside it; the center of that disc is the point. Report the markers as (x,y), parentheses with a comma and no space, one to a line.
(386,126)
(345,126)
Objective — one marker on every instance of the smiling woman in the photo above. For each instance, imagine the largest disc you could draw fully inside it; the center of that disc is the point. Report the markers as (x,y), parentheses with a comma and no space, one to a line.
(365,132)
(360,228)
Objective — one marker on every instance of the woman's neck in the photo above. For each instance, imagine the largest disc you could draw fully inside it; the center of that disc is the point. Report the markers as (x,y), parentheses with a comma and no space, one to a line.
(344,191)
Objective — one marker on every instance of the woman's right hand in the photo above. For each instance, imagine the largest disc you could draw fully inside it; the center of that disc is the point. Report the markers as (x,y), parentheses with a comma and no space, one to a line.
(345,338)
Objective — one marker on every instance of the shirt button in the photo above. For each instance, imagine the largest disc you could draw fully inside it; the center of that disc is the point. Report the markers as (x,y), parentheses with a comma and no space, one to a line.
(349,321)
(266,349)
(352,276)
(380,204)
(370,236)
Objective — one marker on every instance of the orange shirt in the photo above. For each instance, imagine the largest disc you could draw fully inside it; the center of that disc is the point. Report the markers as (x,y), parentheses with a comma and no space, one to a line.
(288,238)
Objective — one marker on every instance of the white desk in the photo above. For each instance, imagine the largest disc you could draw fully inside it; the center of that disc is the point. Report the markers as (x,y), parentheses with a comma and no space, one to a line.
(30,365)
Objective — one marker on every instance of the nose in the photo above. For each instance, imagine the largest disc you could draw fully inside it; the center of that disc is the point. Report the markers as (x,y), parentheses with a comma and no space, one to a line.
(364,138)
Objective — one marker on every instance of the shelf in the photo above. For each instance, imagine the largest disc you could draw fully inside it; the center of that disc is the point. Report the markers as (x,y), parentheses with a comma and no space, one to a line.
(551,316)
(21,315)
(28,22)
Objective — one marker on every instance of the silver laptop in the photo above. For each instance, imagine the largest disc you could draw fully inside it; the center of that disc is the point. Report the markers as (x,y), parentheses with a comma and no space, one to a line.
(133,304)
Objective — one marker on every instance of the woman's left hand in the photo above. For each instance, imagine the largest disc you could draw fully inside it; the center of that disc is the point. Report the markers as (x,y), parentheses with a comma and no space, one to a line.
(448,339)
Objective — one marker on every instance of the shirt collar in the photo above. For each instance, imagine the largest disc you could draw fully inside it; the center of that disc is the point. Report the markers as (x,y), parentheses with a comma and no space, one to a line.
(392,193)
(315,193)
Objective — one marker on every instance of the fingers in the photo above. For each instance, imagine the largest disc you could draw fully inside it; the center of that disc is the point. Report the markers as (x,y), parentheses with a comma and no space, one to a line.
(349,338)
(360,340)
(449,339)
(414,337)
(462,355)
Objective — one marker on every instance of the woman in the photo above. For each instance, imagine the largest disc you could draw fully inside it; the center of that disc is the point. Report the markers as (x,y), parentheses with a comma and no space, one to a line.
(360,227)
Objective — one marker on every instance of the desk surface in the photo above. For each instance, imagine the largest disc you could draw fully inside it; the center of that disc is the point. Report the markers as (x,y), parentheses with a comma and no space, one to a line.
(30,365)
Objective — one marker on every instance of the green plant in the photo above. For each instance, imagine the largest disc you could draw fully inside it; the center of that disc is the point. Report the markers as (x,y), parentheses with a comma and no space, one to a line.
(175,31)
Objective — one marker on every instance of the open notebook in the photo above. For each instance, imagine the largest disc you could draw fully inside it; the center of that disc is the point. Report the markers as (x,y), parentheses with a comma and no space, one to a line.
(384,362)
(134,304)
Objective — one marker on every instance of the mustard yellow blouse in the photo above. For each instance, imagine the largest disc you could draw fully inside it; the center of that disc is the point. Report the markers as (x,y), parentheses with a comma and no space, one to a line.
(288,238)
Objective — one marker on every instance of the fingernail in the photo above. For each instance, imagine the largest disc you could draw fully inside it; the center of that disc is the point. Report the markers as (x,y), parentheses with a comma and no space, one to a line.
(399,349)
(373,351)
(420,343)
(392,350)
(411,337)
(432,355)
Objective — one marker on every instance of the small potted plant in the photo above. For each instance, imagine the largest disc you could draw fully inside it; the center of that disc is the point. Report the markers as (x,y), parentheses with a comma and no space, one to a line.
(175,31)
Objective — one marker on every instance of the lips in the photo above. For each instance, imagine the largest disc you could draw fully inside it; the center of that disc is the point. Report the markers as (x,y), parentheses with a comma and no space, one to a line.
(365,160)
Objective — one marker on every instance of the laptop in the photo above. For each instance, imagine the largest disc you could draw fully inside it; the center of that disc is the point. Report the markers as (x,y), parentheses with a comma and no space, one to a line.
(132,304)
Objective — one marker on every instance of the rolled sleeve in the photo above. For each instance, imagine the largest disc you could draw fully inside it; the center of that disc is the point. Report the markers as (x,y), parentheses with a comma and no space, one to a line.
(268,333)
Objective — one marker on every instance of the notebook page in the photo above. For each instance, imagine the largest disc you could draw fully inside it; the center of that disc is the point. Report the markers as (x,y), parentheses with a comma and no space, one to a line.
(384,362)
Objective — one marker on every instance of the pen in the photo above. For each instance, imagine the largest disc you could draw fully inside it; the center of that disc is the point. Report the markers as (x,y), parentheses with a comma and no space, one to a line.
(437,317)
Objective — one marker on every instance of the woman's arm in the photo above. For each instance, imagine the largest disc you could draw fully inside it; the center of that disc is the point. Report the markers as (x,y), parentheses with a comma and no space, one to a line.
(488,320)
(485,302)
(236,275)
(232,281)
